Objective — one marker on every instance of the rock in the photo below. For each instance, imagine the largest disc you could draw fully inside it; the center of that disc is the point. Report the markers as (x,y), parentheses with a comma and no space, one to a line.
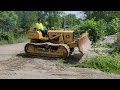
(111,39)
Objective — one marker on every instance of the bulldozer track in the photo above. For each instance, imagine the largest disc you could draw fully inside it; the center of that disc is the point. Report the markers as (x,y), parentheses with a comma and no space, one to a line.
(66,54)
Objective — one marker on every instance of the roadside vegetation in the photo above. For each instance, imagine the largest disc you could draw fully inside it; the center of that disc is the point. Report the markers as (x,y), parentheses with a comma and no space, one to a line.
(15,24)
(100,24)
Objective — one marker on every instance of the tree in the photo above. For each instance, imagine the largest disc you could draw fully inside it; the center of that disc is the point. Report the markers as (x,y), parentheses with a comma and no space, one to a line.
(54,18)
(106,15)
(8,20)
(8,24)
(27,18)
(71,19)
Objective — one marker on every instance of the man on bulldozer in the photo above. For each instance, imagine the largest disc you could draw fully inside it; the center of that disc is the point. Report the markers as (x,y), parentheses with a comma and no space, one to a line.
(39,26)
(59,43)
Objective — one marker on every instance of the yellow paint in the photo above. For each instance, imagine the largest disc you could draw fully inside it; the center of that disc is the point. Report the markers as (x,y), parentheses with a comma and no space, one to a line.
(72,44)
(59,52)
(61,40)
(64,37)
(31,48)
(67,35)
(35,34)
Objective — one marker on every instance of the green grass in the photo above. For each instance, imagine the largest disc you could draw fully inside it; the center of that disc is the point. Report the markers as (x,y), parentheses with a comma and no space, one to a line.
(70,60)
(98,45)
(3,42)
(105,63)
(20,39)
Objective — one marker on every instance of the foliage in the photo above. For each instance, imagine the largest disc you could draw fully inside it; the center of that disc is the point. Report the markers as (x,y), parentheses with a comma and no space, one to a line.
(104,63)
(106,15)
(14,24)
(8,20)
(113,26)
(54,19)
(116,46)
(26,18)
(71,20)
(8,23)
(96,29)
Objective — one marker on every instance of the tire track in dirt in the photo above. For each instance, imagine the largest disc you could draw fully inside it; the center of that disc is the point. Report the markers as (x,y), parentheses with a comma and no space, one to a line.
(20,66)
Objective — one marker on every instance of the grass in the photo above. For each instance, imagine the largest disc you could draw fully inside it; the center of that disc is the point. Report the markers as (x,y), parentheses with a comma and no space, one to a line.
(98,45)
(15,40)
(69,60)
(3,42)
(105,63)
(21,39)
(106,45)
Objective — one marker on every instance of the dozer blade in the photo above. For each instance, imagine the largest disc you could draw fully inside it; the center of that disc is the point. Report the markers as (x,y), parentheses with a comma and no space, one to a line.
(84,44)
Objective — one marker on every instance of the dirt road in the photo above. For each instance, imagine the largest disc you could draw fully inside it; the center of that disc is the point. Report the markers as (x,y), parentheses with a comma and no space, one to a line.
(14,64)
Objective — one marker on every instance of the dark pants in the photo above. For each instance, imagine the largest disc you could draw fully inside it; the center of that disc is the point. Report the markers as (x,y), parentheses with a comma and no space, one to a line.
(44,32)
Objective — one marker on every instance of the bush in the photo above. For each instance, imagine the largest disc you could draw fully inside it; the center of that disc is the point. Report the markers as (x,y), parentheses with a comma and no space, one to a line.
(77,30)
(21,38)
(7,36)
(113,27)
(96,29)
(3,42)
(10,37)
(13,37)
(18,32)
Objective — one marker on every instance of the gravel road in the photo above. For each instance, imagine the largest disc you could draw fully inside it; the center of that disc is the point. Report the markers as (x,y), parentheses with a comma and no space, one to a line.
(14,64)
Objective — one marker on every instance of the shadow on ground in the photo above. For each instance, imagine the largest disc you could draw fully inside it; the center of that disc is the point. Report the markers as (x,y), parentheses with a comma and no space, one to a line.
(75,58)
(71,59)
(24,55)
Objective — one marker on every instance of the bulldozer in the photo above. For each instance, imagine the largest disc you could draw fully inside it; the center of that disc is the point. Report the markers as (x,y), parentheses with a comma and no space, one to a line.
(59,43)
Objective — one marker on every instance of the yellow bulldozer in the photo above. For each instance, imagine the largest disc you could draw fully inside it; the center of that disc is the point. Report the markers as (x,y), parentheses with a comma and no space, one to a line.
(59,43)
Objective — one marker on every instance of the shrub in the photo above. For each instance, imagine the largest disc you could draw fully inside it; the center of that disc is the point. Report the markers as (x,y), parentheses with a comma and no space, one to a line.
(113,27)
(10,37)
(96,29)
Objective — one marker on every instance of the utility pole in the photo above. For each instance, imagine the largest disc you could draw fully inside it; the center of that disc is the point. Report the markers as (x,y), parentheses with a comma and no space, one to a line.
(64,23)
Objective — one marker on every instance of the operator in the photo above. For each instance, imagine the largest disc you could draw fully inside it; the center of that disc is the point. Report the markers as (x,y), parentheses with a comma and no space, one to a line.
(39,26)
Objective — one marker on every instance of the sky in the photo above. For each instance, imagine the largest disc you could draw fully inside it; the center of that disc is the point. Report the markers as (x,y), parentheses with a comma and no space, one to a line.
(77,13)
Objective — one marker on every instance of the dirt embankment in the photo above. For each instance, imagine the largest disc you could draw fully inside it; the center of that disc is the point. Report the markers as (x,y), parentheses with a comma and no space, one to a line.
(14,64)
